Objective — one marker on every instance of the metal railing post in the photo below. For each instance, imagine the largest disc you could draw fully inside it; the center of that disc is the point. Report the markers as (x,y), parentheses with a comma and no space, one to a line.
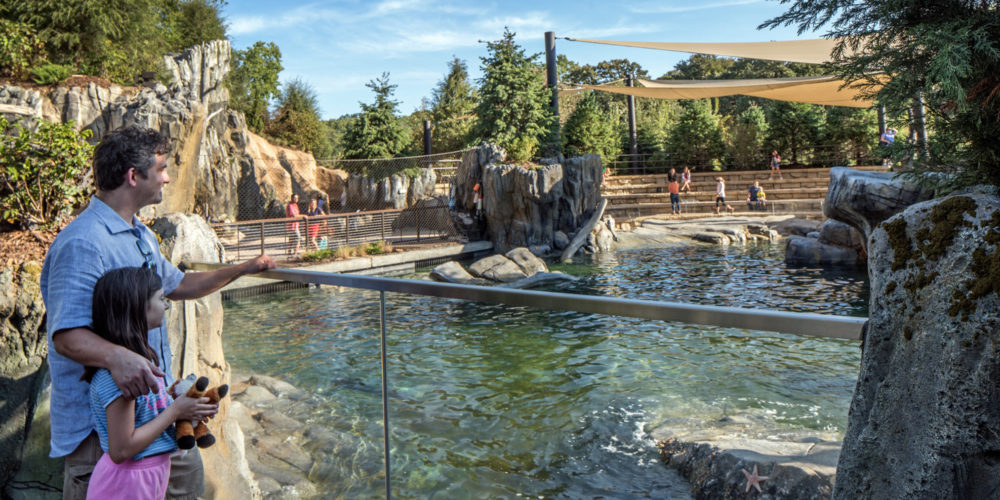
(417,215)
(262,237)
(381,224)
(237,228)
(385,392)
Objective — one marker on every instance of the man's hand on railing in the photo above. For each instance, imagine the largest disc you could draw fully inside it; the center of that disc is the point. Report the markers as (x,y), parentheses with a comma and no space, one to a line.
(257,264)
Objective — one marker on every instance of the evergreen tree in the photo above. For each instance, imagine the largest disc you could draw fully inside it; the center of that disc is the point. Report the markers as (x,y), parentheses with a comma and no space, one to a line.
(253,81)
(746,139)
(376,133)
(794,128)
(853,131)
(513,108)
(296,118)
(453,107)
(945,51)
(696,137)
(589,132)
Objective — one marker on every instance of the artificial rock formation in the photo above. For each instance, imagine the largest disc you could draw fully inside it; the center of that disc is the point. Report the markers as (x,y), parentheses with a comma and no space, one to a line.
(863,199)
(526,206)
(835,244)
(23,348)
(925,418)
(218,168)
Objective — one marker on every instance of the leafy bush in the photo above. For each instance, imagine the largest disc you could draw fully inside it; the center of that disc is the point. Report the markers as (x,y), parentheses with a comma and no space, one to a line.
(20,48)
(378,248)
(49,73)
(522,149)
(40,172)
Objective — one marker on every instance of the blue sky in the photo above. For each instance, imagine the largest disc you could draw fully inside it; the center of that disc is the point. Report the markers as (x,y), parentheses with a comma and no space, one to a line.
(338,46)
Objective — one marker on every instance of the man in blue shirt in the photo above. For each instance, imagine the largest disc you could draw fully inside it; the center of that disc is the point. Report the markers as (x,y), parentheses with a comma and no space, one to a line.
(129,172)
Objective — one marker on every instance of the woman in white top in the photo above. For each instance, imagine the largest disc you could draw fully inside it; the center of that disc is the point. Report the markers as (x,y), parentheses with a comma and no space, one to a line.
(720,195)
(686,180)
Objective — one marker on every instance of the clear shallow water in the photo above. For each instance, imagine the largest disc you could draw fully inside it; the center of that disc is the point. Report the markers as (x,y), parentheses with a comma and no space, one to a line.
(501,402)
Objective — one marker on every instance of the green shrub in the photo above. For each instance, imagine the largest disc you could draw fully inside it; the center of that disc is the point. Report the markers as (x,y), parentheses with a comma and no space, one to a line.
(40,172)
(326,253)
(377,248)
(20,48)
(49,73)
(522,149)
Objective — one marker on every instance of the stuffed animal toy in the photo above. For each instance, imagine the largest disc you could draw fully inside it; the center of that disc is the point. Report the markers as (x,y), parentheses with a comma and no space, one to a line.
(190,433)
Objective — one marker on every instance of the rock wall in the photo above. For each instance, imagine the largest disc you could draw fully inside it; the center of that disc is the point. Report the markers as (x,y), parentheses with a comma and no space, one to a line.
(925,417)
(23,348)
(527,206)
(218,168)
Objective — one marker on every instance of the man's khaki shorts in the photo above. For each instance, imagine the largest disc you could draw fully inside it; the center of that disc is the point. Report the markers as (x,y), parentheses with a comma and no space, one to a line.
(187,475)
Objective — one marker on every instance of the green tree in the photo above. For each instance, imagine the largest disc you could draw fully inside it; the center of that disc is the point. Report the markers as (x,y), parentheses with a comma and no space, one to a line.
(513,107)
(453,105)
(795,127)
(746,139)
(253,81)
(192,22)
(946,51)
(40,171)
(853,131)
(589,132)
(296,118)
(376,133)
(696,137)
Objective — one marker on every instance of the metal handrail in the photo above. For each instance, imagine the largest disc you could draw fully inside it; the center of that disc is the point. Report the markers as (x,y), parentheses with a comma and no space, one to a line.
(811,324)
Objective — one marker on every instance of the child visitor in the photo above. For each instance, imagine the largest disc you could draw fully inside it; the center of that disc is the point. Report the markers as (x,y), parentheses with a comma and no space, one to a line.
(135,434)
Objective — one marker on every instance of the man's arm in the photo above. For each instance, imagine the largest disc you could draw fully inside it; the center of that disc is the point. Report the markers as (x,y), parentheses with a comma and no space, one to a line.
(133,374)
(197,285)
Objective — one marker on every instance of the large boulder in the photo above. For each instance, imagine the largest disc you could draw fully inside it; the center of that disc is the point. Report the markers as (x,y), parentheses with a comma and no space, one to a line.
(497,268)
(863,199)
(527,261)
(834,232)
(925,418)
(806,251)
(23,349)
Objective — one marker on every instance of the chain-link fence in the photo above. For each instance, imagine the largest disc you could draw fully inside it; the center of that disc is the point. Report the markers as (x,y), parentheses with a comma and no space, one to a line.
(821,155)
(299,206)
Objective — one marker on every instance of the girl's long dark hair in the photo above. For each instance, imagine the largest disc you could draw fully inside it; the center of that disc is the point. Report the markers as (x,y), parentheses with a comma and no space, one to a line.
(119,310)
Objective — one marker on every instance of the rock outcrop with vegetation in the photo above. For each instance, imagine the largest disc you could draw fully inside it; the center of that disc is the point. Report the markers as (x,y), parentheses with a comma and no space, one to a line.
(925,417)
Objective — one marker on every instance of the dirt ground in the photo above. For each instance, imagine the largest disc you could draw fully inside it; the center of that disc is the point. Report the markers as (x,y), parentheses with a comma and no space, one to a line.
(18,247)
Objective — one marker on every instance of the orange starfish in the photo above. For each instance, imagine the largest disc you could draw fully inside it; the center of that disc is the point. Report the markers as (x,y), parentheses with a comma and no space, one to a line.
(754,480)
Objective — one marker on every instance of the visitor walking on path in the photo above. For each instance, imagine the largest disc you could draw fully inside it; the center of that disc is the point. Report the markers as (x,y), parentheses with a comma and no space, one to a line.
(775,165)
(720,195)
(136,434)
(314,211)
(885,142)
(675,196)
(292,211)
(129,173)
(686,180)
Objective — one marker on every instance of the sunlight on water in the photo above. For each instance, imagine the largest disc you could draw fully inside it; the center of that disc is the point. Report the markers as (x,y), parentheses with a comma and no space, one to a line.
(498,402)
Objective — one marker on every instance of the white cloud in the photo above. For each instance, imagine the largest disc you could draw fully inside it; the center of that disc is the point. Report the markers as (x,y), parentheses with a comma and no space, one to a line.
(666,9)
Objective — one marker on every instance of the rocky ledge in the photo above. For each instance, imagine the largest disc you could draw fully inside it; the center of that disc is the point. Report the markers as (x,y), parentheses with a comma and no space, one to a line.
(734,457)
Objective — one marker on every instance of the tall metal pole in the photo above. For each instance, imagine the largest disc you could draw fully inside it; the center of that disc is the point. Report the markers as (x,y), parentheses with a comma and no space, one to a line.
(427,137)
(385,394)
(552,76)
(633,141)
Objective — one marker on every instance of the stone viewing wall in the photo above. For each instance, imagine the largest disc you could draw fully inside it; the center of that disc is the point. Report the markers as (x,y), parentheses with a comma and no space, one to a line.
(925,417)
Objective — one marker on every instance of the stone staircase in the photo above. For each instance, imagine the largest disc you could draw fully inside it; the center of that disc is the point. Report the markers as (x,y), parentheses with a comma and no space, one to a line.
(800,193)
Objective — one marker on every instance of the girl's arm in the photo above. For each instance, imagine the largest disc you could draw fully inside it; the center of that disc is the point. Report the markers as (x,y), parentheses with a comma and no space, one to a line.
(125,440)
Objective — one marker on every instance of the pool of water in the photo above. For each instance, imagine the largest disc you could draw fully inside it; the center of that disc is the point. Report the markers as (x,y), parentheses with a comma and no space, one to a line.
(491,401)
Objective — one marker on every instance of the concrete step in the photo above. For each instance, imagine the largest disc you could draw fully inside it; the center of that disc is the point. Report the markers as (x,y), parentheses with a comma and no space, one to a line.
(710,187)
(709,196)
(631,211)
(732,176)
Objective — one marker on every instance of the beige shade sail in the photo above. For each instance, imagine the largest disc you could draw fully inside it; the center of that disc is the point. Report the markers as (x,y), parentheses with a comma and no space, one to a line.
(825,90)
(814,51)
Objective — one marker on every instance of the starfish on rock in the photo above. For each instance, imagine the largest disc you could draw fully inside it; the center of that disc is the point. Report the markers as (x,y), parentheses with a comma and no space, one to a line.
(754,480)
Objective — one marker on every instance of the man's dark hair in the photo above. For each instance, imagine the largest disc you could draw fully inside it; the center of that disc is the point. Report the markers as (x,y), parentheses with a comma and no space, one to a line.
(125,148)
